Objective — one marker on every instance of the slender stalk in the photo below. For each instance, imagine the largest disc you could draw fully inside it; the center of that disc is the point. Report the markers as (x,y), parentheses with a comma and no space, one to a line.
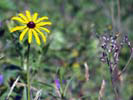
(28,71)
(112,14)
(119,15)
(22,60)
(113,84)
(124,69)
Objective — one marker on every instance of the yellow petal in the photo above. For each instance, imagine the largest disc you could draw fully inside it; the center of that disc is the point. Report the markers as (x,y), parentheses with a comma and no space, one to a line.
(17,28)
(19,19)
(41,19)
(43,24)
(36,37)
(23,34)
(30,36)
(23,17)
(28,15)
(35,17)
(45,29)
(42,35)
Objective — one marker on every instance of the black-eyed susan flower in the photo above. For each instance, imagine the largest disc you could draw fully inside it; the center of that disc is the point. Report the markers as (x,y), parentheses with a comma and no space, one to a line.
(31,25)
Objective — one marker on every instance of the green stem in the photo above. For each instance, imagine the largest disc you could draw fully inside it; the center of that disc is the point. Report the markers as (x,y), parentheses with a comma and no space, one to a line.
(28,72)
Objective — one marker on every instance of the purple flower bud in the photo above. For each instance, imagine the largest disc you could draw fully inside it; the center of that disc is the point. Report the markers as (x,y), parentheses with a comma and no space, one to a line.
(116,57)
(104,54)
(115,37)
(57,83)
(104,38)
(102,59)
(112,38)
(1,79)
(116,48)
(113,46)
(126,38)
(108,38)
(104,45)
(129,44)
(112,41)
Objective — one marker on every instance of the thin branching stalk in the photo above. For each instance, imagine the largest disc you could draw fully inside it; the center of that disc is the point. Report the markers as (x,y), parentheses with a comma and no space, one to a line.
(112,81)
(124,69)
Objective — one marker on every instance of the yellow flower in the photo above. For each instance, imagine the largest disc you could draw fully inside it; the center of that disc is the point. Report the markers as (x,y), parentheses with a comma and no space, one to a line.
(31,25)
(75,53)
(76,65)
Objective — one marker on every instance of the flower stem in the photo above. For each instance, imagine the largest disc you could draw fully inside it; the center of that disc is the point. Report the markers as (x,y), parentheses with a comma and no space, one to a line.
(28,71)
(112,80)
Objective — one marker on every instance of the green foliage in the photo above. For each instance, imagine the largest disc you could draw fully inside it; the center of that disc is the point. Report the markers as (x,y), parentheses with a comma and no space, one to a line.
(7,5)
(76,24)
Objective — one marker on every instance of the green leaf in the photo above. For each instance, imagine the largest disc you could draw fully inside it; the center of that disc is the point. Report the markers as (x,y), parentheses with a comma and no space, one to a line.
(25,93)
(68,83)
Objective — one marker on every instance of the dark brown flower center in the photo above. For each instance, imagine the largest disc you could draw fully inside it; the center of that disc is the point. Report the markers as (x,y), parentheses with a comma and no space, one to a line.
(31,25)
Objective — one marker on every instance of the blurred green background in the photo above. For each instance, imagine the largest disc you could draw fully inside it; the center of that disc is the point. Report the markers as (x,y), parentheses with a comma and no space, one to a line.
(72,42)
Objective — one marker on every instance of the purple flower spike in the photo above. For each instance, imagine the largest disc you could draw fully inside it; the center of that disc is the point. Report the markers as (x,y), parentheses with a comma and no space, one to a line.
(57,82)
(0,24)
(1,79)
